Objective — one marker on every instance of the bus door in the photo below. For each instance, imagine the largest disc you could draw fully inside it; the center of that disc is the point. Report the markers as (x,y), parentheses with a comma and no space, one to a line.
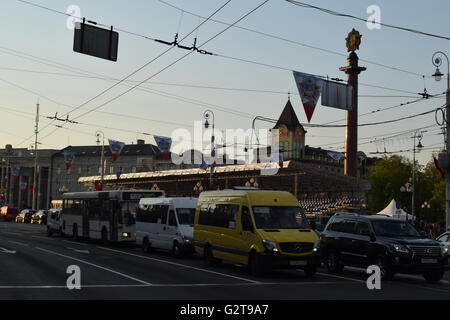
(114,209)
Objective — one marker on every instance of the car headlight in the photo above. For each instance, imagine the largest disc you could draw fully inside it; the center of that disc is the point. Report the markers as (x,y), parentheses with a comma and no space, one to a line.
(444,250)
(316,246)
(399,248)
(188,240)
(270,246)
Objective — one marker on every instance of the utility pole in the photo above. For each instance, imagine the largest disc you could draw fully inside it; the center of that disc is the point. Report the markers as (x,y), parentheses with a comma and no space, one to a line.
(35,175)
(437,62)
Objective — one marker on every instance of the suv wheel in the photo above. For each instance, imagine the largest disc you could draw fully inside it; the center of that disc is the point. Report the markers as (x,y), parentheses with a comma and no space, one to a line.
(333,262)
(385,269)
(433,275)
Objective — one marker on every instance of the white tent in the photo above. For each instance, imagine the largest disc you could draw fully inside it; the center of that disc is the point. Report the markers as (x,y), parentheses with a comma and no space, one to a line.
(392,211)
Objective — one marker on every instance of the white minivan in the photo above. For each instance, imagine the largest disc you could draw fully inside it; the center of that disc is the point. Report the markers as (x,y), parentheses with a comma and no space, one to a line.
(166,223)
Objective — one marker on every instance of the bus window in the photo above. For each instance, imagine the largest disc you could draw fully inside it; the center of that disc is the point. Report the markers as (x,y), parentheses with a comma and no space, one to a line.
(128,213)
(172,219)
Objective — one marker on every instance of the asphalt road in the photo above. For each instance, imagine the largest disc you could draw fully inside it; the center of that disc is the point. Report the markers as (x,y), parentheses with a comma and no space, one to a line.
(34,266)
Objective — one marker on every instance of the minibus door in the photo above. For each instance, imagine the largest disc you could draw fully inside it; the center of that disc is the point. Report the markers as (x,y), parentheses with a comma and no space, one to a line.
(247,231)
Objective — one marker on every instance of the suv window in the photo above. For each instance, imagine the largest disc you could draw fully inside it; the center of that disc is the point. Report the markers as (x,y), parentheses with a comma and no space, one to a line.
(346,226)
(363,228)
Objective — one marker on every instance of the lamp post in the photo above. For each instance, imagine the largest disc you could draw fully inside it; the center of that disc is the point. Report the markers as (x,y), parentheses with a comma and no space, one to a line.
(425,205)
(207,115)
(437,62)
(9,151)
(417,135)
(98,134)
(408,187)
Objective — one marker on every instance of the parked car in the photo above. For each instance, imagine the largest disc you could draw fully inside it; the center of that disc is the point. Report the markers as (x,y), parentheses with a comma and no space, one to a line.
(444,239)
(166,223)
(54,222)
(25,216)
(40,217)
(9,213)
(258,228)
(393,245)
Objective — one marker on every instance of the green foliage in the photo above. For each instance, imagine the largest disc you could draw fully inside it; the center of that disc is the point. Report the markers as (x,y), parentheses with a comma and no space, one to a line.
(389,174)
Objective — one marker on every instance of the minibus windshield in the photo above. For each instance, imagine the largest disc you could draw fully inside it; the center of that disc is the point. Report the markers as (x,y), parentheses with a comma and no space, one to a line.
(279,217)
(186,215)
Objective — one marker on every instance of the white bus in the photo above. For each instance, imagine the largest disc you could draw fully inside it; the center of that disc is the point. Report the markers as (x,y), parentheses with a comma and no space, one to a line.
(166,223)
(105,215)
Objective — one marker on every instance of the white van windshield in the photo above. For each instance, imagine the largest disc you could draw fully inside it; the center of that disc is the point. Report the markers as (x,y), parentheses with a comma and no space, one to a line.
(279,217)
(186,215)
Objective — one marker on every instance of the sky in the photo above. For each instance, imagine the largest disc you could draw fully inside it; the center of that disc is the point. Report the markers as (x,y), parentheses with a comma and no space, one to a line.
(38,64)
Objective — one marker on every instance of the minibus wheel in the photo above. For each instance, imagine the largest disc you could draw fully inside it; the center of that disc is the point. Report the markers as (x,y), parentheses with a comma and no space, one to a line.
(255,266)
(210,261)
(176,250)
(146,245)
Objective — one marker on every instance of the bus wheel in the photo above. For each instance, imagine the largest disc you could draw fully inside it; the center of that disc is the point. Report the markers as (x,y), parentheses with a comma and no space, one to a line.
(146,245)
(176,250)
(104,237)
(75,232)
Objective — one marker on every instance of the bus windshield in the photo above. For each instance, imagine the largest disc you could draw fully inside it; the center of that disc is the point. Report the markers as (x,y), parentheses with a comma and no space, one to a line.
(186,215)
(279,217)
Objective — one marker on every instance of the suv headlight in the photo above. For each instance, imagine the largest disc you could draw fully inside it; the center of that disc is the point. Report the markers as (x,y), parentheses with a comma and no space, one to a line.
(399,248)
(270,246)
(444,250)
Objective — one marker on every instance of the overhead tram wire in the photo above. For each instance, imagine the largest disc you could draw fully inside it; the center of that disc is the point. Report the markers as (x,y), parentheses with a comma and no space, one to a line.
(293,41)
(139,69)
(335,13)
(168,66)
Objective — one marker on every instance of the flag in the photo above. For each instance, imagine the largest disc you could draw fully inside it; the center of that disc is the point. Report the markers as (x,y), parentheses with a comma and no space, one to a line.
(15,171)
(336,155)
(116,148)
(438,167)
(309,88)
(98,186)
(69,156)
(203,165)
(164,143)
(23,185)
(31,188)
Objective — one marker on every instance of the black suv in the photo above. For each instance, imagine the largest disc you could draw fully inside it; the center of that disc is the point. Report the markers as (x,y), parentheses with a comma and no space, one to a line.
(393,245)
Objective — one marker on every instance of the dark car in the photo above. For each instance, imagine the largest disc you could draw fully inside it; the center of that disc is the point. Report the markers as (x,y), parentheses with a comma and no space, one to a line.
(40,217)
(393,245)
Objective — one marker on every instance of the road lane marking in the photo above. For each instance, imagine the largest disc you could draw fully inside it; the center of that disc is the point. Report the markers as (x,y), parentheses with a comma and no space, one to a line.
(95,265)
(79,251)
(19,243)
(13,233)
(240,284)
(181,265)
(3,250)
(73,242)
(341,277)
(46,238)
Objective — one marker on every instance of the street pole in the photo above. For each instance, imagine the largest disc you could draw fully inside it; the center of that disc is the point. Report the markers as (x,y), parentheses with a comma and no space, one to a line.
(35,175)
(208,113)
(437,62)
(102,174)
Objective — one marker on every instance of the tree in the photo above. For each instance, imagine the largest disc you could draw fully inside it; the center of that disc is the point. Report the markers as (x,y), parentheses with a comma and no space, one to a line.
(390,173)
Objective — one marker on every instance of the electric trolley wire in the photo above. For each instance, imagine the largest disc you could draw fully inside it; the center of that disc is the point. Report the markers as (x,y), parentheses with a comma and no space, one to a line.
(335,13)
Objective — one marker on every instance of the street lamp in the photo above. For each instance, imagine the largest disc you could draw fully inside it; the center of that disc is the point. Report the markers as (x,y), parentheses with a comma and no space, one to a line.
(426,205)
(417,135)
(207,115)
(437,62)
(9,152)
(98,134)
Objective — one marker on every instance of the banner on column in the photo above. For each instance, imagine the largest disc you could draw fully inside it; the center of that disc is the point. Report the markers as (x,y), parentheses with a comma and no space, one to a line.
(69,156)
(337,95)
